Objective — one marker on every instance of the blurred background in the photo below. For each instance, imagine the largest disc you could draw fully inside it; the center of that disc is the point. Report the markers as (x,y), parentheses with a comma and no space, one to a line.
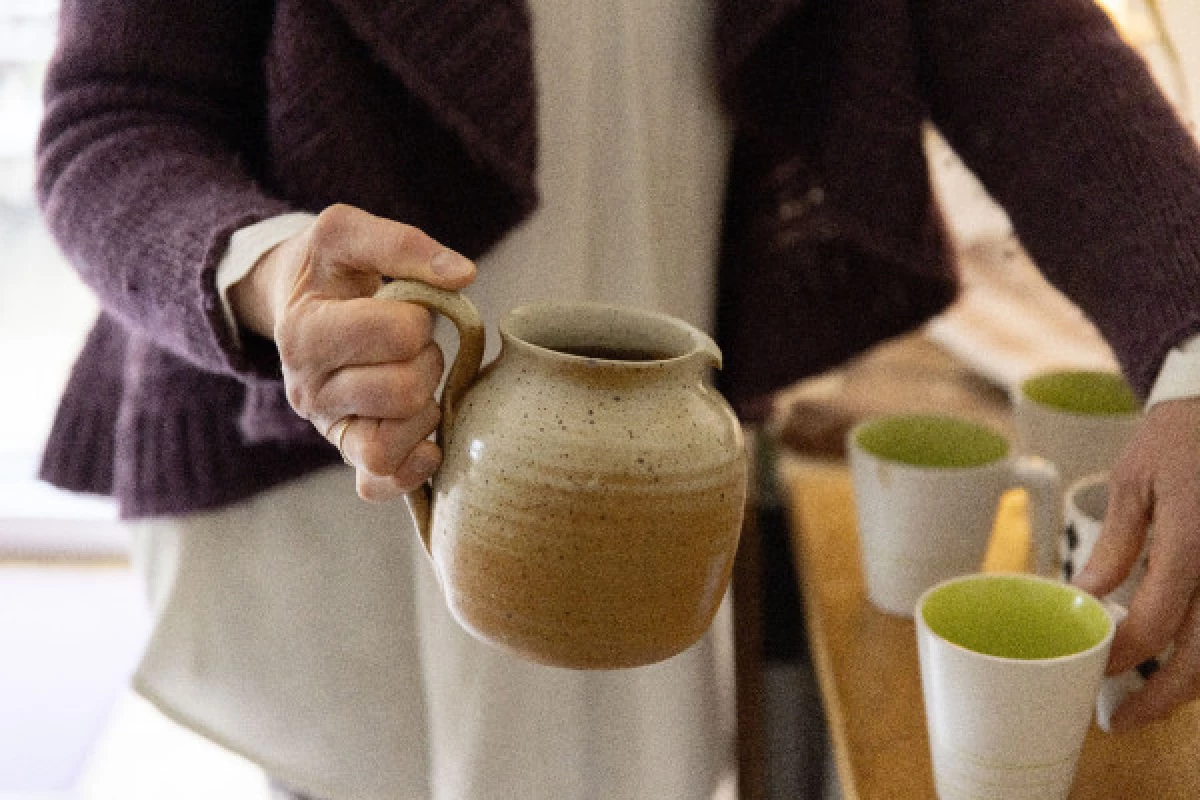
(71,615)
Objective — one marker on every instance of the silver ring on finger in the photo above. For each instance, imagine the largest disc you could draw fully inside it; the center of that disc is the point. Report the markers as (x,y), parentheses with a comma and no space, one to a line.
(337,435)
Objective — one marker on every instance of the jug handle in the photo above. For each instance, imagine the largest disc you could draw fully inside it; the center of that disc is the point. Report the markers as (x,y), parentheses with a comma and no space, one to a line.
(465,316)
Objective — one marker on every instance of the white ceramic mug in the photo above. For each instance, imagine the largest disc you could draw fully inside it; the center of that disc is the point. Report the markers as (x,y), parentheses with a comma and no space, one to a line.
(1079,420)
(926,490)
(1011,666)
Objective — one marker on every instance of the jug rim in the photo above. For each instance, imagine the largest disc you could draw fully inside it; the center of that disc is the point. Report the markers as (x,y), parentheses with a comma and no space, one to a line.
(554,328)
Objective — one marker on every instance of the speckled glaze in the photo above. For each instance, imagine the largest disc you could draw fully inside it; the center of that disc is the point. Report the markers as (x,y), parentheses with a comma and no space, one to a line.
(587,511)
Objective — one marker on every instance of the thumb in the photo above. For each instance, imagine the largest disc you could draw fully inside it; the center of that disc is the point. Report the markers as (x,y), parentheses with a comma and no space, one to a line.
(352,239)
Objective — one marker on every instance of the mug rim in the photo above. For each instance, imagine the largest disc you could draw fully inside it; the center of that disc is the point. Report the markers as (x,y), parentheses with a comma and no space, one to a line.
(922,624)
(854,447)
(1021,395)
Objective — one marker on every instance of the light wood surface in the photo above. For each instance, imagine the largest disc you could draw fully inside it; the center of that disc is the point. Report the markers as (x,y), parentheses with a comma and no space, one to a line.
(866,664)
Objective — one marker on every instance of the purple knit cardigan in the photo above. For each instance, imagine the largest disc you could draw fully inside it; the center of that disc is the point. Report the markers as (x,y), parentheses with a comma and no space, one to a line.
(169,126)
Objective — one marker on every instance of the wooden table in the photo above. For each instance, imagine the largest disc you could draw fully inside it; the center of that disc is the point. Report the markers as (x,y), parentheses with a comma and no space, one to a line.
(866,664)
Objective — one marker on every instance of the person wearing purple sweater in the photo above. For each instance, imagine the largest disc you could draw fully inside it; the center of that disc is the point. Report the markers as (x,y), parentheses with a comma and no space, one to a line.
(234,178)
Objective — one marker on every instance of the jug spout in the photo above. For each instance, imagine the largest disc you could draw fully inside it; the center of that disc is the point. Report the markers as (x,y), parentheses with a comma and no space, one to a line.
(708,349)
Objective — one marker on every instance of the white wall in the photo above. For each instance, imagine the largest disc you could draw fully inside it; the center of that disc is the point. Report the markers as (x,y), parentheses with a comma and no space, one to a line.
(1183,24)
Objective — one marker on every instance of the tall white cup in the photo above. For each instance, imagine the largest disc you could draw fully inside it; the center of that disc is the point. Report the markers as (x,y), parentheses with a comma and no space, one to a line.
(1010,670)
(926,492)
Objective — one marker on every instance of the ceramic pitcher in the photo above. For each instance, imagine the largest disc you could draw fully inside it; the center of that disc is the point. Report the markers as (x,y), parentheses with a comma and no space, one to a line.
(587,510)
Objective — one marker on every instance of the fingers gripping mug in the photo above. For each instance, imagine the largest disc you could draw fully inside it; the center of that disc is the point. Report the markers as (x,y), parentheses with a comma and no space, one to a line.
(1084,507)
(587,510)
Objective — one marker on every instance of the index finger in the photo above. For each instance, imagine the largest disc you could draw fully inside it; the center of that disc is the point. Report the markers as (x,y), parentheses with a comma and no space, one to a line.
(1126,520)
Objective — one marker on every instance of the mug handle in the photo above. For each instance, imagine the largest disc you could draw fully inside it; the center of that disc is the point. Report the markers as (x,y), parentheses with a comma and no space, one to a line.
(1041,480)
(465,316)
(1115,688)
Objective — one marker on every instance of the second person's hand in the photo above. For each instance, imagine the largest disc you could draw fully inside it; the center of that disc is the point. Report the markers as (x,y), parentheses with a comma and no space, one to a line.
(1156,481)
(363,371)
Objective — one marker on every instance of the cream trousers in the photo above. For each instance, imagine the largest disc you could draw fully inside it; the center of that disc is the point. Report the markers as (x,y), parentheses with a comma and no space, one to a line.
(305,630)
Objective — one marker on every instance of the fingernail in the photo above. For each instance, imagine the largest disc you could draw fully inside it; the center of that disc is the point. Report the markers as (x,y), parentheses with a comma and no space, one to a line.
(449,264)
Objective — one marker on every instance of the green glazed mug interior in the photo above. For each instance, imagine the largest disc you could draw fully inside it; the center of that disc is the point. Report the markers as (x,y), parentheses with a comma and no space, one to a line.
(1081,392)
(931,440)
(1015,616)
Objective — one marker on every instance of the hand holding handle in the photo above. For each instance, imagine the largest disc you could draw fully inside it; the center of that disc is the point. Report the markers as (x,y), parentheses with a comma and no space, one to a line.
(461,375)
(1115,688)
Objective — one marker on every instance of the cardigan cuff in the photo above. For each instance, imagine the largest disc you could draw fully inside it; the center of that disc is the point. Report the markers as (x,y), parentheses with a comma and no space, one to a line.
(1180,374)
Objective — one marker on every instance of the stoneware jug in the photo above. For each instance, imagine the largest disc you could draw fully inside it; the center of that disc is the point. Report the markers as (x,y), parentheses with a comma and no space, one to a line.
(587,510)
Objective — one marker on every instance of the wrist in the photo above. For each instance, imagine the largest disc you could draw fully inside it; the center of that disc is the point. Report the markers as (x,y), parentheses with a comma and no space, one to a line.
(253,298)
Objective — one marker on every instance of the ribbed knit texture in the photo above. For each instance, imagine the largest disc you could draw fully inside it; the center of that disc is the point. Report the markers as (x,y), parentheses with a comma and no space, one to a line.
(169,126)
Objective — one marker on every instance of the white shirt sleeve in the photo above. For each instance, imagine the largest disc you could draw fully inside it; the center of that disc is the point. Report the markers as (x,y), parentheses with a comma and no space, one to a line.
(1180,374)
(246,247)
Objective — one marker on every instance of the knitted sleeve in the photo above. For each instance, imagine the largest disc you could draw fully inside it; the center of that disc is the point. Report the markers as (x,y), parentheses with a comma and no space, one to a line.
(1064,125)
(150,138)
